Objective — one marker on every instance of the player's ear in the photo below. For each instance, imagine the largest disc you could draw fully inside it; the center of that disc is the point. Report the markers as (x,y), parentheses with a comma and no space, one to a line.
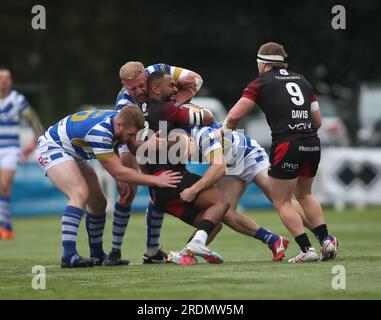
(118,125)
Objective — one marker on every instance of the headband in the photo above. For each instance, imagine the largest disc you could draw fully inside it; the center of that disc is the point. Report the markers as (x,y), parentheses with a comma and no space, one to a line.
(271,58)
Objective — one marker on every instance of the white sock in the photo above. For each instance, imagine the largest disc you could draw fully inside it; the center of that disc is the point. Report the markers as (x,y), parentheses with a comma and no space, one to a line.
(151,251)
(200,236)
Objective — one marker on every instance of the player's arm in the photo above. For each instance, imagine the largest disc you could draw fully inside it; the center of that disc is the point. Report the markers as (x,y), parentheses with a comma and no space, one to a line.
(188,115)
(214,174)
(243,105)
(111,162)
(34,121)
(188,82)
(315,113)
(239,110)
(129,160)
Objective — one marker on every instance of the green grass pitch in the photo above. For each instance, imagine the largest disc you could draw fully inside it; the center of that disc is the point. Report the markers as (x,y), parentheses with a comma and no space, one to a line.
(248,272)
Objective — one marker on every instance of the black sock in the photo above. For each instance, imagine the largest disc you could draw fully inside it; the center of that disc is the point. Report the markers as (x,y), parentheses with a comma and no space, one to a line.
(303,242)
(207,226)
(321,233)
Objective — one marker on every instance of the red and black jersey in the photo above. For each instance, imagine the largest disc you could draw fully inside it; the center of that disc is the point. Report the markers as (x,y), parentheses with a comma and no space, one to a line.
(175,118)
(169,111)
(285,97)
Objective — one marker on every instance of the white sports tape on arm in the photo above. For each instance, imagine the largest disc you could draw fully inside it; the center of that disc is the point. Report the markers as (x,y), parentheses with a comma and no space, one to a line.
(314,106)
(195,116)
(199,83)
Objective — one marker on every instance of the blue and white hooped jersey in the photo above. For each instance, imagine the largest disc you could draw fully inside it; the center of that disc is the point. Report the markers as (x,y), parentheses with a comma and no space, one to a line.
(236,146)
(12,109)
(124,97)
(85,135)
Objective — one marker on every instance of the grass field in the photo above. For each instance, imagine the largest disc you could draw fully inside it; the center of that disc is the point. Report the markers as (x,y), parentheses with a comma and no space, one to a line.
(248,272)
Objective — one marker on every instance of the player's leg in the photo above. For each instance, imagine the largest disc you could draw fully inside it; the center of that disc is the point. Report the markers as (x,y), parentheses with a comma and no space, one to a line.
(122,211)
(6,180)
(282,190)
(314,213)
(9,160)
(211,206)
(95,214)
(205,212)
(233,189)
(68,178)
(262,181)
(154,221)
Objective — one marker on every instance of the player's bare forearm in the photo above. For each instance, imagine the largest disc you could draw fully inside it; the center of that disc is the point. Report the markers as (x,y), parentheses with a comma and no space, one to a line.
(129,160)
(188,86)
(239,110)
(213,175)
(115,168)
(34,122)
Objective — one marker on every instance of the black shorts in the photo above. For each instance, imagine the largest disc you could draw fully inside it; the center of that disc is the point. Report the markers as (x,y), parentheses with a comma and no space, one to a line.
(290,159)
(169,200)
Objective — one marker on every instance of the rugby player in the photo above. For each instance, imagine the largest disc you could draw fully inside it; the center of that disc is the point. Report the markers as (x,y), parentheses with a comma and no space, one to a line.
(62,153)
(292,112)
(247,162)
(205,207)
(134,79)
(13,108)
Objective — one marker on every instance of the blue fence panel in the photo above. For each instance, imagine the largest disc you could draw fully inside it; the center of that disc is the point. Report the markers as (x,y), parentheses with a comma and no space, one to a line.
(35,194)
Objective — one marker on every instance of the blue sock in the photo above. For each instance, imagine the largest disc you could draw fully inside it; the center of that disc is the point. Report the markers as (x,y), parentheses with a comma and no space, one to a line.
(154,219)
(5,213)
(70,222)
(95,226)
(266,236)
(119,224)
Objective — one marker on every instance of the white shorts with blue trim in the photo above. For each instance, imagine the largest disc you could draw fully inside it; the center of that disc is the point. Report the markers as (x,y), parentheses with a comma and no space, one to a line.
(248,167)
(9,158)
(49,154)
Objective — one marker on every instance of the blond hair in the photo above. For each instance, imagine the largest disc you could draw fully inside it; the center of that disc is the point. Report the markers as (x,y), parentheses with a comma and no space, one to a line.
(131,70)
(274,48)
(131,116)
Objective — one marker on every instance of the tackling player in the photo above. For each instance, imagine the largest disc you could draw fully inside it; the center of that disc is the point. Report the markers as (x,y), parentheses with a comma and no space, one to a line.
(62,153)
(13,108)
(293,115)
(247,162)
(134,79)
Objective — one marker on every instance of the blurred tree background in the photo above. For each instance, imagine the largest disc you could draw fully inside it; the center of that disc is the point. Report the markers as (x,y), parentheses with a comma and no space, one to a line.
(76,60)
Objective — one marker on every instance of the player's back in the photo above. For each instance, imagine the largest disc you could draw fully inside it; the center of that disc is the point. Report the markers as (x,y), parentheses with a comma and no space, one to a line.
(285,97)
(80,133)
(236,145)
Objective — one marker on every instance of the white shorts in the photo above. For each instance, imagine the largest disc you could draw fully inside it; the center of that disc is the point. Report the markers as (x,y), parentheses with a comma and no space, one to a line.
(49,154)
(9,158)
(255,162)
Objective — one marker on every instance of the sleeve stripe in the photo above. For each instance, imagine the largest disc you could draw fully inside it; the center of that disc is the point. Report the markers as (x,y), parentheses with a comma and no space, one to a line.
(176,74)
(99,145)
(104,156)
